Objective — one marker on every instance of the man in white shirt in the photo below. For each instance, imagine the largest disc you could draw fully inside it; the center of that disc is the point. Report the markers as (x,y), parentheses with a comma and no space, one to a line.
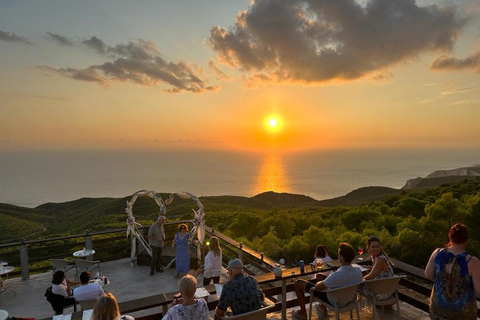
(346,275)
(87,291)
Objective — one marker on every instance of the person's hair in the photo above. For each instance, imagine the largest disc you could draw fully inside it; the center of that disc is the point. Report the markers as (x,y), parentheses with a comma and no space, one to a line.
(106,308)
(85,277)
(58,277)
(377,239)
(321,251)
(187,285)
(458,234)
(346,251)
(215,246)
(182,225)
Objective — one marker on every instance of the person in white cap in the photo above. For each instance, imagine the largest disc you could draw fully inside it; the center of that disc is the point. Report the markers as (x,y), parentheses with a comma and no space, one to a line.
(156,238)
(242,293)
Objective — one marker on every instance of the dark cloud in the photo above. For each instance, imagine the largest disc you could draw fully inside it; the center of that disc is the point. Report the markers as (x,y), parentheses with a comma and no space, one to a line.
(60,39)
(88,74)
(96,44)
(12,37)
(221,76)
(137,62)
(472,62)
(315,41)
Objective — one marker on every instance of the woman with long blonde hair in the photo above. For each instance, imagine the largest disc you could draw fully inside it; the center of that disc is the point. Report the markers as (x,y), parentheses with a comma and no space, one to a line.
(106,308)
(213,262)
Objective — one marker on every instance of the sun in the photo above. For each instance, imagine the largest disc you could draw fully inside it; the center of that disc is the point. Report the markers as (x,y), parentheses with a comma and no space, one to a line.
(273,122)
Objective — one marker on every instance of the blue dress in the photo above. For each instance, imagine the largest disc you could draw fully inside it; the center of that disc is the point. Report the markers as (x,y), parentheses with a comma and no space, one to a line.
(453,295)
(182,254)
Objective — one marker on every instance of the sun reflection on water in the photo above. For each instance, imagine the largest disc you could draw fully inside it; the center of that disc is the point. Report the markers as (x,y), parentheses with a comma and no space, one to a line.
(271,176)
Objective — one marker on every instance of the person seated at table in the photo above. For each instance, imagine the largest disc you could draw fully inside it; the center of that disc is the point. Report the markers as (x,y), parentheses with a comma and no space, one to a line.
(322,255)
(106,308)
(187,307)
(213,263)
(345,276)
(61,285)
(241,293)
(87,291)
(381,268)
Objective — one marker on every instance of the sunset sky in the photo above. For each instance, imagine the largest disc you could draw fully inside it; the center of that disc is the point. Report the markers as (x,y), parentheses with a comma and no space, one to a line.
(211,74)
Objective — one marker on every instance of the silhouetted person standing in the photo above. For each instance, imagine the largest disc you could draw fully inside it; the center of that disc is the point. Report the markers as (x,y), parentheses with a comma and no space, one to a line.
(156,238)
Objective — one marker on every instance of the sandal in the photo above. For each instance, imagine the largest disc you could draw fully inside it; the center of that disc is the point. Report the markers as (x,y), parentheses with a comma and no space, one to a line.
(297,316)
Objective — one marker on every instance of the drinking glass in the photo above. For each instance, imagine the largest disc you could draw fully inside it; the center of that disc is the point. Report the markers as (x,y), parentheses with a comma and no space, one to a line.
(319,264)
(360,252)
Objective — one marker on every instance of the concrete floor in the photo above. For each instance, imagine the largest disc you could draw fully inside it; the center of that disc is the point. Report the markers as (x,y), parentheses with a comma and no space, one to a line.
(128,283)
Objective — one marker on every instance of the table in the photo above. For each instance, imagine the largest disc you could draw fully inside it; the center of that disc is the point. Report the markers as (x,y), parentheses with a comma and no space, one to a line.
(3,314)
(83,254)
(100,282)
(5,271)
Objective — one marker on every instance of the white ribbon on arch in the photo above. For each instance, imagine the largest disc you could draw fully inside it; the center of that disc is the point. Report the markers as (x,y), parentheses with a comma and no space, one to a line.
(132,226)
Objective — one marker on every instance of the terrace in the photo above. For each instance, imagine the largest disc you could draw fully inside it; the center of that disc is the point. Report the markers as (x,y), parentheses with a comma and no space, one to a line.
(147,297)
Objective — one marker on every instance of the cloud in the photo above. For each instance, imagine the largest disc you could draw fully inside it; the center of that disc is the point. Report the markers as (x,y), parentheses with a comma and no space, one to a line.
(88,74)
(12,37)
(318,41)
(465,102)
(96,44)
(137,62)
(456,91)
(221,76)
(59,39)
(472,62)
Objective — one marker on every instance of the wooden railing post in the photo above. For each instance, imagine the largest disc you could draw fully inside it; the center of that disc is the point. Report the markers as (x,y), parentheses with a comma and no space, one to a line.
(89,244)
(24,260)
(240,251)
(284,299)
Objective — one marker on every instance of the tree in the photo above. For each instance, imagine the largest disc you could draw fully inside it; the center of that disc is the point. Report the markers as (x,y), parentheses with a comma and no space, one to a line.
(447,209)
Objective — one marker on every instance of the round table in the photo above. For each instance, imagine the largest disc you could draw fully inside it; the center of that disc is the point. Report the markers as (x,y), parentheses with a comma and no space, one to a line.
(5,270)
(83,254)
(3,314)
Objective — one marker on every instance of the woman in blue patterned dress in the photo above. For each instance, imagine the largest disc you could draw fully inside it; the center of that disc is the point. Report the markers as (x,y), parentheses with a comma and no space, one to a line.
(456,276)
(182,251)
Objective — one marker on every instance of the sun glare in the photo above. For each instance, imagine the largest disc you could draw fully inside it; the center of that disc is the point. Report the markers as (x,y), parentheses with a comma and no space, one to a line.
(273,123)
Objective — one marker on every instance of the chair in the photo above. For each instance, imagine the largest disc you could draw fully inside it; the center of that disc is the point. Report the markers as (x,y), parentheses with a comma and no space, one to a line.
(85,265)
(385,286)
(345,297)
(61,264)
(56,301)
(260,314)
(87,304)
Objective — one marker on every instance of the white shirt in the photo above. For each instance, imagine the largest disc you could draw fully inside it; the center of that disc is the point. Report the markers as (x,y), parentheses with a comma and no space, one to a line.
(60,289)
(344,276)
(213,265)
(89,291)
(196,311)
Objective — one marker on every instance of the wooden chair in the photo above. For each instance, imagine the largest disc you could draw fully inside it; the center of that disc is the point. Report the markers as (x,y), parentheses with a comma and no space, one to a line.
(260,314)
(61,264)
(385,286)
(87,304)
(85,265)
(345,297)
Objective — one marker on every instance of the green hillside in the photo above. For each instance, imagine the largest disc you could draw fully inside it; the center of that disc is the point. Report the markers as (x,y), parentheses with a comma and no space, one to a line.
(410,223)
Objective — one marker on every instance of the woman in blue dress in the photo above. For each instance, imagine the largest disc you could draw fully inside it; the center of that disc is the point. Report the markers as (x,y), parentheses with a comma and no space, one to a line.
(456,276)
(182,251)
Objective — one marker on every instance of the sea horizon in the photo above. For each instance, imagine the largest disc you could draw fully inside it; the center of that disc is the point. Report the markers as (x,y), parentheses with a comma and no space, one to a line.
(31,178)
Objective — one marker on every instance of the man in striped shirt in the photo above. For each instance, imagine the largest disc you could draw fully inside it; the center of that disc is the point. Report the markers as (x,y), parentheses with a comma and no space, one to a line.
(345,276)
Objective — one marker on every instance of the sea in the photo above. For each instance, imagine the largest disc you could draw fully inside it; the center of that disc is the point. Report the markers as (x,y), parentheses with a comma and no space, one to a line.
(31,178)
